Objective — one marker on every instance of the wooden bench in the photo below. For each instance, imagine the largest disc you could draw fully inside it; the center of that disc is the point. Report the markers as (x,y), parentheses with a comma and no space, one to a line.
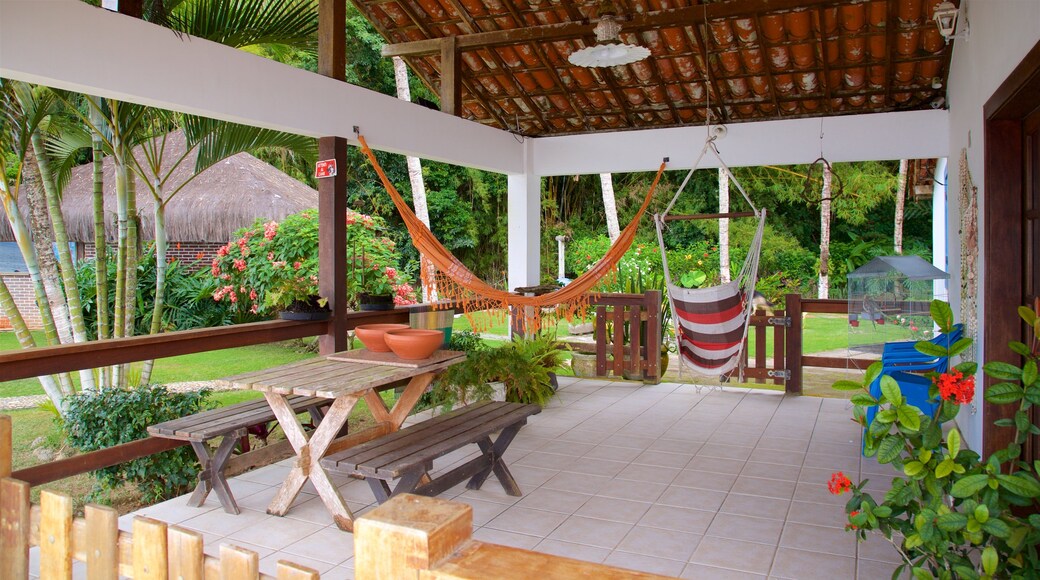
(231,423)
(408,454)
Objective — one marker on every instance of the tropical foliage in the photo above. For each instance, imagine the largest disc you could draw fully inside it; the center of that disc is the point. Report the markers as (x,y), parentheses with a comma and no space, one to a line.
(949,512)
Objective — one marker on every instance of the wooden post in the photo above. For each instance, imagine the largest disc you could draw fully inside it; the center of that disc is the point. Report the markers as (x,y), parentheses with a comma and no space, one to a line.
(14,529)
(55,536)
(794,344)
(779,348)
(451,77)
(332,191)
(134,8)
(5,446)
(186,559)
(238,563)
(149,549)
(102,542)
(407,534)
(654,334)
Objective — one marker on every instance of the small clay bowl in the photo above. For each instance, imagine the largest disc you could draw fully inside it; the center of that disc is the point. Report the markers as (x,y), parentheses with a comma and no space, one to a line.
(371,335)
(414,343)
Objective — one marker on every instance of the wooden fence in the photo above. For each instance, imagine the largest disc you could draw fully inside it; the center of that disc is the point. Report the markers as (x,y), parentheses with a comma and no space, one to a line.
(628,329)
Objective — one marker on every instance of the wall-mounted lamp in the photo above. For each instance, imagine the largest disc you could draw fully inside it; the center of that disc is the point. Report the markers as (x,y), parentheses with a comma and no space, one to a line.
(945,17)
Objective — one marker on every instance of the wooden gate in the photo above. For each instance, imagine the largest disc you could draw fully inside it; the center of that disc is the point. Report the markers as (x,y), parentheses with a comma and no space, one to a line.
(768,365)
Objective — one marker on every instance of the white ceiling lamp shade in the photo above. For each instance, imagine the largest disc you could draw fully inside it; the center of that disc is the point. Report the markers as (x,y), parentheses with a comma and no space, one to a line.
(609,50)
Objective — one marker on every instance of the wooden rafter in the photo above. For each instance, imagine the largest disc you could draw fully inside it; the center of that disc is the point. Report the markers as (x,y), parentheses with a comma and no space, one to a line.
(891,9)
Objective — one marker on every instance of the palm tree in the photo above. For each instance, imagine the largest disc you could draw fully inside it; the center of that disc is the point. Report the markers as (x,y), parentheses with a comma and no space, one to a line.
(724,273)
(897,236)
(610,205)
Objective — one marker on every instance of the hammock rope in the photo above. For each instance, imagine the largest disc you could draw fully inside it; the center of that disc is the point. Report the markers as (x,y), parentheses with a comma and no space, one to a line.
(711,324)
(454,281)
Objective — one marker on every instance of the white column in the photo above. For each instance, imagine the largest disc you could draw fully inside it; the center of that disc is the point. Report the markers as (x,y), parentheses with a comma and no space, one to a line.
(561,247)
(939,239)
(524,223)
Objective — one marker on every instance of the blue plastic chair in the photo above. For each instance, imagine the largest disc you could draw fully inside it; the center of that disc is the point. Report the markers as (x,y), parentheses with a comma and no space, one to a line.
(906,350)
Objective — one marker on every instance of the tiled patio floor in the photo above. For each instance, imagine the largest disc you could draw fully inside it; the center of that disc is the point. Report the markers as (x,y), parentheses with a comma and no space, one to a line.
(669,479)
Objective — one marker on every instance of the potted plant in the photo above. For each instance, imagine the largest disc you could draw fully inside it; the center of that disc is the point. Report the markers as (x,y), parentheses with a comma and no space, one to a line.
(525,367)
(372,282)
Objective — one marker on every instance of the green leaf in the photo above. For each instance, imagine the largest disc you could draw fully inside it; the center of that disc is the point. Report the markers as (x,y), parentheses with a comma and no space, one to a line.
(1003,393)
(960,346)
(1002,370)
(1019,348)
(968,485)
(951,522)
(942,314)
(1018,485)
(844,385)
(864,400)
(1022,421)
(1029,373)
(997,527)
(982,513)
(872,373)
(944,468)
(989,560)
(886,416)
(932,436)
(921,574)
(890,389)
(909,417)
(931,349)
(881,511)
(967,368)
(953,442)
(913,468)
(1026,314)
(890,448)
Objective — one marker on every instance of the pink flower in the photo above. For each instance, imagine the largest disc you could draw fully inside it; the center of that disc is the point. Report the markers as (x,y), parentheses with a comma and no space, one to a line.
(223,250)
(391,273)
(351,218)
(254,308)
(215,267)
(234,297)
(296,265)
(240,265)
(270,256)
(270,229)
(252,294)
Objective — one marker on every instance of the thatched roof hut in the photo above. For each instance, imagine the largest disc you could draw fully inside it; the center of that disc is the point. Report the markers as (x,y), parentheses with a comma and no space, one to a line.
(225,197)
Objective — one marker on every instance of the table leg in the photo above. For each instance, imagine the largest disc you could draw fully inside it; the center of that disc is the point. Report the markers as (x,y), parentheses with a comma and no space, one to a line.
(309,453)
(415,389)
(211,475)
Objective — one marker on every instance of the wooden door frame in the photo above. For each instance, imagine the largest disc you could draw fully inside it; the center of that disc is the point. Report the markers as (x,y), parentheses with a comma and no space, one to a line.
(1003,114)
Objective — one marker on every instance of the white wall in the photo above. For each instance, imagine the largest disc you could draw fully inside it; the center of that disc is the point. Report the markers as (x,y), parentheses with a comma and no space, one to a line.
(1001,33)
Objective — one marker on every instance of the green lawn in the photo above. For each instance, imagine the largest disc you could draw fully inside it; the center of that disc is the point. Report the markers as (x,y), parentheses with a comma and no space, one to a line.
(824,332)
(202,366)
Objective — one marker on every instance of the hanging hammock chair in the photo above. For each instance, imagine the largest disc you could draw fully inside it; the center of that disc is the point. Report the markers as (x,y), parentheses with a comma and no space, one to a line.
(454,281)
(711,324)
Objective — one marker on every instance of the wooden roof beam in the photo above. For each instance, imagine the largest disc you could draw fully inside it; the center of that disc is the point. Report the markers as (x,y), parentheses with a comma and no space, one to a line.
(687,16)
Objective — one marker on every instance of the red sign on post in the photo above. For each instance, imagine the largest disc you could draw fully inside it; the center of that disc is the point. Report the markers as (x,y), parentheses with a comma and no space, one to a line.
(326,168)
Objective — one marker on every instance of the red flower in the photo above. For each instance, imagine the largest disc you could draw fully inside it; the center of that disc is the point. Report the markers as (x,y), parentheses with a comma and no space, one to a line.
(953,386)
(200,255)
(852,526)
(240,265)
(223,250)
(296,265)
(252,294)
(839,483)
(270,229)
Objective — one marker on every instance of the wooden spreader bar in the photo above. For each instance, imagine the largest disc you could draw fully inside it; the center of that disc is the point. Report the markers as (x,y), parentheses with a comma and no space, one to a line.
(708,216)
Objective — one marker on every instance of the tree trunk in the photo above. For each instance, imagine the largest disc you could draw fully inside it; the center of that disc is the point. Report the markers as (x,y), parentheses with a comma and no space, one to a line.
(25,339)
(132,259)
(160,276)
(415,178)
(610,206)
(825,234)
(71,298)
(119,314)
(724,273)
(43,244)
(897,236)
(104,329)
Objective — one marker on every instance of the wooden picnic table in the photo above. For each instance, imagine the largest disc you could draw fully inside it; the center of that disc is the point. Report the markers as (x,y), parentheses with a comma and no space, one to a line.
(345,378)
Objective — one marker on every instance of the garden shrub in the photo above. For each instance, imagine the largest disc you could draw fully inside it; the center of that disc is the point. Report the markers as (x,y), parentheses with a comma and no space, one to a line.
(97,420)
(270,264)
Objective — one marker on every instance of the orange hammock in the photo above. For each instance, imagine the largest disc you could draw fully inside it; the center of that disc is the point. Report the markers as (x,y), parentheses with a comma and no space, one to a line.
(454,281)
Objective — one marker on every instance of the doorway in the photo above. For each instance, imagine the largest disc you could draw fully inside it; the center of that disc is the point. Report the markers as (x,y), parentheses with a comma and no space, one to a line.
(1011,216)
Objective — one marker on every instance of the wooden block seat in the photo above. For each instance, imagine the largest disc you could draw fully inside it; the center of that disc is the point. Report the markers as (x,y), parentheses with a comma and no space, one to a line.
(408,454)
(230,423)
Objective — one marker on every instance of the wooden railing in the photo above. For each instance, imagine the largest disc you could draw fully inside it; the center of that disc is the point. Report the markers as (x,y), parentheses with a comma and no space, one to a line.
(412,536)
(153,550)
(628,328)
(758,369)
(796,359)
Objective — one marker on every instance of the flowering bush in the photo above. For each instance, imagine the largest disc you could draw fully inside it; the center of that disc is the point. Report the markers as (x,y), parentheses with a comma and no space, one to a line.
(949,512)
(271,265)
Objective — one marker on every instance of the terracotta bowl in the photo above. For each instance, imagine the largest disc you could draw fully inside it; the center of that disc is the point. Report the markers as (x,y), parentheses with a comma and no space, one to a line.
(414,343)
(371,335)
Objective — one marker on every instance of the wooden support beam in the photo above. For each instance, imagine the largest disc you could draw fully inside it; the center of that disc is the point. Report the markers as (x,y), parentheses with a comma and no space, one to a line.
(132,8)
(451,77)
(332,191)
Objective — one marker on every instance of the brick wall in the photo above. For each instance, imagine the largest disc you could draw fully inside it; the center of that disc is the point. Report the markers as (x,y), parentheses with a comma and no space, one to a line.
(21,288)
(193,255)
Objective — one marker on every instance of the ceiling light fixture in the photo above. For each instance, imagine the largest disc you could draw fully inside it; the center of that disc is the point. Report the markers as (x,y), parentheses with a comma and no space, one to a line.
(608,51)
(945,17)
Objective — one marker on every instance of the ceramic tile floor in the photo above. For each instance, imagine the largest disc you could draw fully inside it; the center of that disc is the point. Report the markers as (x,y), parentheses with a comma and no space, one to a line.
(671,479)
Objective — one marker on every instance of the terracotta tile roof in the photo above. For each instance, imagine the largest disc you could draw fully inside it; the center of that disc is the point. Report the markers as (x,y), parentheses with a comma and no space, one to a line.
(769,59)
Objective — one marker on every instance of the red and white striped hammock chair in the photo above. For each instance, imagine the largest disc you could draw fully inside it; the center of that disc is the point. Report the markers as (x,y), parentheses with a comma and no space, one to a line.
(711,324)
